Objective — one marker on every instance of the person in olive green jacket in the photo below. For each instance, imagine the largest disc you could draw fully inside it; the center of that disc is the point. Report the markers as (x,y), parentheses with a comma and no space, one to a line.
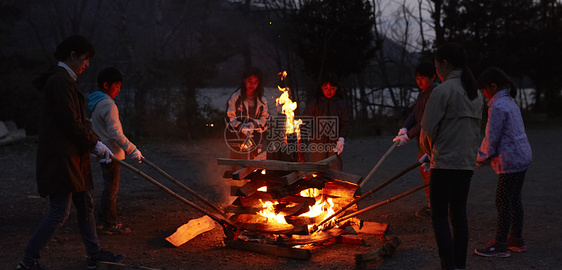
(450,135)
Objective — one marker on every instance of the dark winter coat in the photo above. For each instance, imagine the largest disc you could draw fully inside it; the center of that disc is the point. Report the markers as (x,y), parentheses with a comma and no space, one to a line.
(327,107)
(65,136)
(413,122)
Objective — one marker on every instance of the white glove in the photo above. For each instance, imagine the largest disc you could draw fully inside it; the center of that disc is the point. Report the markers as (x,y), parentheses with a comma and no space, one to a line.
(425,161)
(403,131)
(102,151)
(137,155)
(247,129)
(402,139)
(339,145)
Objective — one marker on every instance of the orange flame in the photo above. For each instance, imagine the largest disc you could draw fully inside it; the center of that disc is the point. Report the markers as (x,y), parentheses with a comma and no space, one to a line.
(269,212)
(321,207)
(288,109)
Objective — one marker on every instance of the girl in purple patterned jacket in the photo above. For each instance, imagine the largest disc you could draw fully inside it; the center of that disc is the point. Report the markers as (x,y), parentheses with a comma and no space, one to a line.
(507,149)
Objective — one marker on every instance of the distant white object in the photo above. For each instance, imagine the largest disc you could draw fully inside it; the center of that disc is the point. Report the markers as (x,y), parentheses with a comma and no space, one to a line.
(9,133)
(3,130)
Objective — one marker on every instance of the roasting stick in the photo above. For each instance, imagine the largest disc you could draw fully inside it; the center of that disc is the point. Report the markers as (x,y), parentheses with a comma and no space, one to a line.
(382,203)
(390,180)
(225,223)
(184,187)
(378,164)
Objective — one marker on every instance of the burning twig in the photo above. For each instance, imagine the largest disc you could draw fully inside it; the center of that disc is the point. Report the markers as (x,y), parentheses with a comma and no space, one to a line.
(192,192)
(225,223)
(390,180)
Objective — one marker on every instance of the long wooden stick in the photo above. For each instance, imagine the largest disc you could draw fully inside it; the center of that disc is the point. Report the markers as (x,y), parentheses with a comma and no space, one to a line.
(390,180)
(378,164)
(402,195)
(186,188)
(225,223)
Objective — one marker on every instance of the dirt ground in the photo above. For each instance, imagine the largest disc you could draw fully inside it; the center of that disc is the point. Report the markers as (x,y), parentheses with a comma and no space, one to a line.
(153,215)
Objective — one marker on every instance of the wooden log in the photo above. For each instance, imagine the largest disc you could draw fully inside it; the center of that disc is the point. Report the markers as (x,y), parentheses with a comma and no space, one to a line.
(249,188)
(119,266)
(316,237)
(258,223)
(287,252)
(341,176)
(190,230)
(300,220)
(281,191)
(242,210)
(276,164)
(242,173)
(253,200)
(386,251)
(287,210)
(291,178)
(339,189)
(297,200)
(367,227)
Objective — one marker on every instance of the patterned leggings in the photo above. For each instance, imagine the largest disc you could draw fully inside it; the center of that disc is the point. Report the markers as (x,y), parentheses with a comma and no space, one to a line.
(508,203)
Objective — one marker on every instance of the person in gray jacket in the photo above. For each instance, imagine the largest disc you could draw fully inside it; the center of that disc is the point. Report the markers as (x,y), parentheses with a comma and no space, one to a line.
(450,135)
(106,123)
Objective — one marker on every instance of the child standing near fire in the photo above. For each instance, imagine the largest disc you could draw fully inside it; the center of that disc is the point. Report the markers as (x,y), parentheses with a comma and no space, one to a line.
(106,124)
(425,78)
(327,106)
(247,115)
(507,149)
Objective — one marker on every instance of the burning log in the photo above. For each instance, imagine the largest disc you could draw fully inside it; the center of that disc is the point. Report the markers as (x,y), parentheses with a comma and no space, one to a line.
(249,188)
(258,223)
(387,250)
(190,230)
(338,176)
(316,237)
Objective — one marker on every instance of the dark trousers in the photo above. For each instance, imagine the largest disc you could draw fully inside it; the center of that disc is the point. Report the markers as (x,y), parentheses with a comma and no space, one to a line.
(59,211)
(449,195)
(508,203)
(108,202)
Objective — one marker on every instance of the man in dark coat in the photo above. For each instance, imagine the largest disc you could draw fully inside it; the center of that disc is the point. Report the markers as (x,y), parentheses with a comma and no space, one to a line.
(63,156)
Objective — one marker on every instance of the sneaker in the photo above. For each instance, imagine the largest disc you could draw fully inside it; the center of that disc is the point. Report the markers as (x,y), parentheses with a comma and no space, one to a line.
(35,266)
(516,244)
(494,249)
(424,212)
(118,229)
(104,256)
